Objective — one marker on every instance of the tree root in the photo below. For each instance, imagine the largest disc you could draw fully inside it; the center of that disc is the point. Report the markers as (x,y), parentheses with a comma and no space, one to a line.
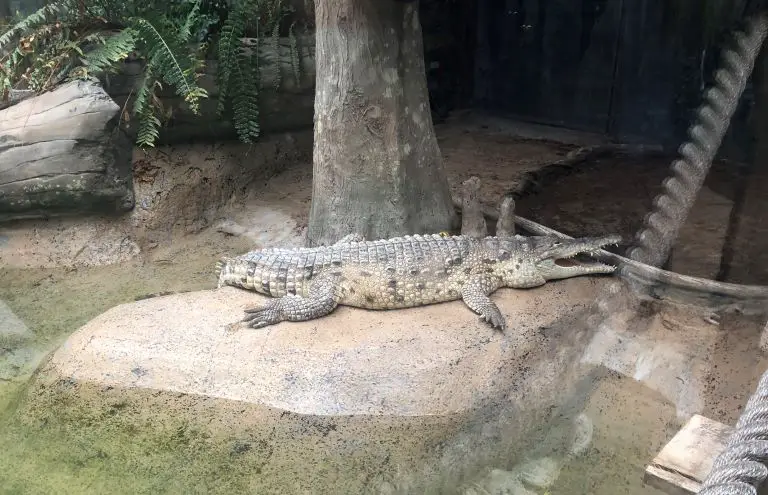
(472,220)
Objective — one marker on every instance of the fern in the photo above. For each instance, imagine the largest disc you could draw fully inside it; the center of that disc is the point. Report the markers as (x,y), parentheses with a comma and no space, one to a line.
(189,21)
(245,98)
(149,130)
(111,51)
(166,56)
(275,46)
(230,46)
(34,20)
(71,39)
(238,74)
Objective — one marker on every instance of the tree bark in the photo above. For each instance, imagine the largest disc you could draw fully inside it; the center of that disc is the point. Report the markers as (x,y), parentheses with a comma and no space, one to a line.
(377,165)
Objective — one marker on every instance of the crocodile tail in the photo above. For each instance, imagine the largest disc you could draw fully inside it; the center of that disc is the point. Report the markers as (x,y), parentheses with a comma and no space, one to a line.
(219,270)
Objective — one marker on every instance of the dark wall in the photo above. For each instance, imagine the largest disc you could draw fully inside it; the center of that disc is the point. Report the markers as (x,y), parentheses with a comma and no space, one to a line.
(630,69)
(549,61)
(450,33)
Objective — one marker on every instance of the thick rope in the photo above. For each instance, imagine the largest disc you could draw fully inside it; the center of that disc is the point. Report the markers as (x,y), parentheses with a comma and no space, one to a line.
(740,468)
(705,136)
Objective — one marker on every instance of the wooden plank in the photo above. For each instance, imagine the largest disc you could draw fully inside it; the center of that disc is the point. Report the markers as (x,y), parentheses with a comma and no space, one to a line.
(682,465)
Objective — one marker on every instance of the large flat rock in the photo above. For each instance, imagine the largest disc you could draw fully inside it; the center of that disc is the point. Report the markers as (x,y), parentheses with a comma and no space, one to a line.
(437,359)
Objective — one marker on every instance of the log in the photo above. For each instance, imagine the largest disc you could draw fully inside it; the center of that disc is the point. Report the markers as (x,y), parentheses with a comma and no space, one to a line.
(61,153)
(278,112)
(682,465)
(764,339)
(276,68)
(505,226)
(15,96)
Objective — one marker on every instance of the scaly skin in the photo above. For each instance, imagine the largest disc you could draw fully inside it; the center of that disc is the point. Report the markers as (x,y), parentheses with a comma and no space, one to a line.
(403,272)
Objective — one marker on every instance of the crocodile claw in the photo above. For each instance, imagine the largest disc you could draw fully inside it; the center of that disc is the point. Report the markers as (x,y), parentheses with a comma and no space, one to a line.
(495,318)
(260,317)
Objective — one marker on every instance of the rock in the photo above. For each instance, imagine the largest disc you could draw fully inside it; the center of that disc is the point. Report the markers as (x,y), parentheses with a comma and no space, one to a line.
(498,482)
(264,226)
(61,153)
(583,432)
(179,191)
(537,474)
(404,401)
(67,241)
(188,188)
(15,363)
(427,360)
(230,227)
(540,473)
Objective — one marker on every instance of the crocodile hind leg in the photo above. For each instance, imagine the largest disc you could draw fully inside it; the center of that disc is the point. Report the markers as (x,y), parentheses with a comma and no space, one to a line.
(324,294)
(475,295)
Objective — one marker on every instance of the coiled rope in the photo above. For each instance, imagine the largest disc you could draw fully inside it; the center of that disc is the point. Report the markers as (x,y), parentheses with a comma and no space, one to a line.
(705,136)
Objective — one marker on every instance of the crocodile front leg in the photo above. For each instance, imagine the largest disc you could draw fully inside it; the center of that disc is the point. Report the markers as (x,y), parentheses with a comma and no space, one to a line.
(324,294)
(475,295)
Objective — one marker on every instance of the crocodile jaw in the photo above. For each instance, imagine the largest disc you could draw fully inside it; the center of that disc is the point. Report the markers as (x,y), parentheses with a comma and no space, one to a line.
(558,261)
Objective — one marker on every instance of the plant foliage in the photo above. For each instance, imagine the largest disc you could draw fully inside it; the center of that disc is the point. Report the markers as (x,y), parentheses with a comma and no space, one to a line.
(82,39)
(239,73)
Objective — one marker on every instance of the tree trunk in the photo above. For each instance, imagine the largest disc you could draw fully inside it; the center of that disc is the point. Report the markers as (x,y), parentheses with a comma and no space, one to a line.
(377,166)
(745,258)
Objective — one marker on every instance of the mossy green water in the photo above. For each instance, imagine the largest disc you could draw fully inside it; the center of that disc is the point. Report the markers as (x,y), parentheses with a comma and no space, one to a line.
(50,448)
(70,438)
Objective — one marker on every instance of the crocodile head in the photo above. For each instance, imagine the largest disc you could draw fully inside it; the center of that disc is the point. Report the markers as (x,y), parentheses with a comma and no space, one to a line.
(534,260)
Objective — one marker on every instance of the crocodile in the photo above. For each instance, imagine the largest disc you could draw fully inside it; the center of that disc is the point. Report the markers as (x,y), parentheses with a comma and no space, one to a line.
(403,272)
